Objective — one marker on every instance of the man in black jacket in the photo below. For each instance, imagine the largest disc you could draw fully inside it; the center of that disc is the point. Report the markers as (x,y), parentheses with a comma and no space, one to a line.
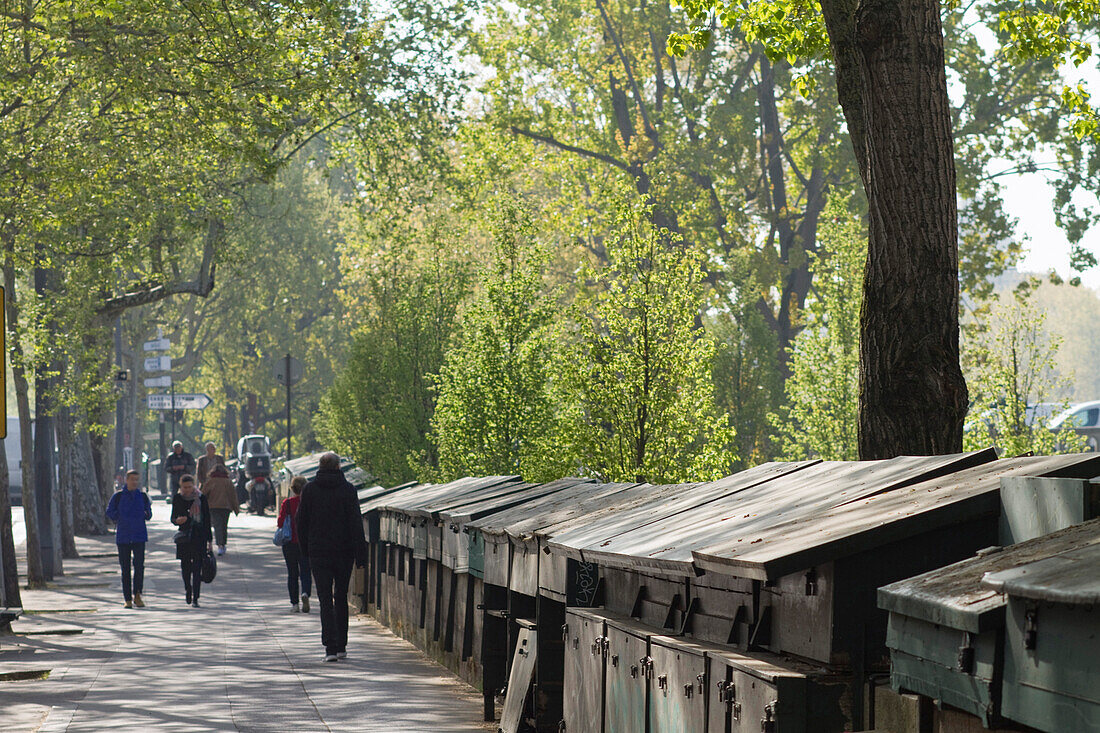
(330,534)
(178,464)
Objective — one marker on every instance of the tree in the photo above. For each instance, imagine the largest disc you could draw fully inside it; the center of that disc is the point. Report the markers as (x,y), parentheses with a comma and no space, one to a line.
(1011,367)
(892,87)
(280,295)
(822,394)
(405,281)
(493,412)
(637,381)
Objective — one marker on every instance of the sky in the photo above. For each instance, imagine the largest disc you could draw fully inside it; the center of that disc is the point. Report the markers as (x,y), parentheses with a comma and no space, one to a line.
(1029,198)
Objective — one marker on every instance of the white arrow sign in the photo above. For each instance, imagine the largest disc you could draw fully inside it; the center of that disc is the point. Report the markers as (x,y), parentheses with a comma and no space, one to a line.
(165,381)
(183,401)
(158,363)
(157,345)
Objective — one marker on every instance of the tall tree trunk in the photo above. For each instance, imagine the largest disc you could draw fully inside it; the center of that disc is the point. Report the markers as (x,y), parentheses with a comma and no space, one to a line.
(45,468)
(35,577)
(65,487)
(9,566)
(88,504)
(912,394)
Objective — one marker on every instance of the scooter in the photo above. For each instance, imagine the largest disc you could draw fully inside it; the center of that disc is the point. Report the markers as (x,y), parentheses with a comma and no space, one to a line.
(261,494)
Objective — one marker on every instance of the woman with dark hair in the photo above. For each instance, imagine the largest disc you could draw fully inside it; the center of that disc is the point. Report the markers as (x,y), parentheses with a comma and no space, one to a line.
(191,513)
(297,564)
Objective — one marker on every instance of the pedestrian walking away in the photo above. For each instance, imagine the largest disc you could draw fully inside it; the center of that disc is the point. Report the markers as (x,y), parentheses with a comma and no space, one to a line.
(207,462)
(191,513)
(297,564)
(330,534)
(178,464)
(221,494)
(129,508)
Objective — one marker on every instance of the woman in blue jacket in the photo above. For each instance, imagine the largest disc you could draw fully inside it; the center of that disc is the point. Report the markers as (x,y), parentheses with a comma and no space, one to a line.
(129,508)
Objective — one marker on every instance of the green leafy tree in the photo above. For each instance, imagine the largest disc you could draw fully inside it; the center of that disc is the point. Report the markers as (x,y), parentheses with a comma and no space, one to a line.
(823,390)
(909,355)
(494,414)
(1011,366)
(637,380)
(404,284)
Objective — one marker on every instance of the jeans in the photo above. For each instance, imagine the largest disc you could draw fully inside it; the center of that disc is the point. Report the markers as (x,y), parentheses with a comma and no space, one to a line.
(191,567)
(332,576)
(297,570)
(137,550)
(220,519)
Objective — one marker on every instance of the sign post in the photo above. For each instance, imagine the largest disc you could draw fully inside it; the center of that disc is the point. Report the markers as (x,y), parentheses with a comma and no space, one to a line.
(288,371)
(160,363)
(180,401)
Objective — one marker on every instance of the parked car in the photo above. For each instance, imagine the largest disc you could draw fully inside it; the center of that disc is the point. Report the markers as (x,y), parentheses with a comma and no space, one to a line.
(1083,419)
(1041,412)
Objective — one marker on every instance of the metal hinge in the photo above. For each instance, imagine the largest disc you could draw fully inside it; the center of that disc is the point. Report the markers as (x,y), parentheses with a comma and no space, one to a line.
(727,693)
(1031,627)
(767,723)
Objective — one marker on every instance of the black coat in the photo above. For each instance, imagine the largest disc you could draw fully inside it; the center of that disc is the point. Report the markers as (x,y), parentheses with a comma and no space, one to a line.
(200,531)
(329,522)
(177,465)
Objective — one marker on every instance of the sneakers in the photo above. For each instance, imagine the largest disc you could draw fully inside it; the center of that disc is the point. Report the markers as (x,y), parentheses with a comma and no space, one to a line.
(127,604)
(294,608)
(305,603)
(221,549)
(341,655)
(329,658)
(138,602)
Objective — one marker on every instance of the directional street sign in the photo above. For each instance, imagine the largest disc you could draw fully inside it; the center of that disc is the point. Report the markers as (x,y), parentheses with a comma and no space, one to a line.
(158,363)
(183,401)
(157,345)
(165,381)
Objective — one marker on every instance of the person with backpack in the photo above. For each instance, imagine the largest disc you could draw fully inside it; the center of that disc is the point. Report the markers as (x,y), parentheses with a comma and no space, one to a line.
(297,564)
(129,508)
(191,513)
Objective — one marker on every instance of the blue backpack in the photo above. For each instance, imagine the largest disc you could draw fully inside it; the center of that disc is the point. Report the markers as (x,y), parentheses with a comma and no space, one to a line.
(283,534)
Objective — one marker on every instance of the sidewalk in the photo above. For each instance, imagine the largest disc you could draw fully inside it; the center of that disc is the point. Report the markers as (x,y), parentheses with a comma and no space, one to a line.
(242,662)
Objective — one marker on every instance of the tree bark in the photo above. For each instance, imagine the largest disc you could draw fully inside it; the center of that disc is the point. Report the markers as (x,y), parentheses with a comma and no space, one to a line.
(9,591)
(35,577)
(66,486)
(892,83)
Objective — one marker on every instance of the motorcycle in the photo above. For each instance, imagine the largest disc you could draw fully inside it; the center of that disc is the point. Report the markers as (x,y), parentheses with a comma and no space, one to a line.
(261,494)
(254,466)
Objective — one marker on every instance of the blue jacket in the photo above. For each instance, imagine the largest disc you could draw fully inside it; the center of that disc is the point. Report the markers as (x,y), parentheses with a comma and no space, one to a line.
(129,510)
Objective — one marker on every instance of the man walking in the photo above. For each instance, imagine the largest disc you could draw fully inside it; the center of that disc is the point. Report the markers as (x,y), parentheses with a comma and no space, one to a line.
(207,462)
(330,534)
(129,509)
(178,463)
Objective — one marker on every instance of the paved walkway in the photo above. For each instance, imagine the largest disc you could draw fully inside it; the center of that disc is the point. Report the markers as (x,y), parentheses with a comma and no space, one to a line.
(242,662)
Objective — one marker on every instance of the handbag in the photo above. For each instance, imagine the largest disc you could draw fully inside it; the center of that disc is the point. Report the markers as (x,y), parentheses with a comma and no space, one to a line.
(283,534)
(209,567)
(182,537)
